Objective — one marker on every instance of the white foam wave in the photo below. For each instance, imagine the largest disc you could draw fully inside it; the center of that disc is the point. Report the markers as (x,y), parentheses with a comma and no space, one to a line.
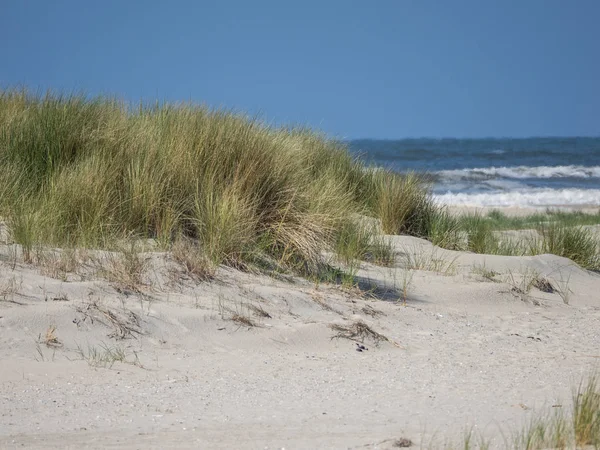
(524,172)
(530,197)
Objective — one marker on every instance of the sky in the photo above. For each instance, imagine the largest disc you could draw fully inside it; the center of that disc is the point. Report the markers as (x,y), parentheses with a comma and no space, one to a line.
(353,69)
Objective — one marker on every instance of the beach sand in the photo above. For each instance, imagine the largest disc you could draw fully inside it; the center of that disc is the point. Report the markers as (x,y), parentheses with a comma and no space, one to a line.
(462,352)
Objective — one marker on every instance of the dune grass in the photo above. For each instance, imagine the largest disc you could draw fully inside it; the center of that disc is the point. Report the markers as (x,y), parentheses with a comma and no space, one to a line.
(577,427)
(572,242)
(560,234)
(80,172)
(500,221)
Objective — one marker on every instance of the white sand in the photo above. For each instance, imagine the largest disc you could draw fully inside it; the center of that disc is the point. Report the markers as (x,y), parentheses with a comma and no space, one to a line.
(470,353)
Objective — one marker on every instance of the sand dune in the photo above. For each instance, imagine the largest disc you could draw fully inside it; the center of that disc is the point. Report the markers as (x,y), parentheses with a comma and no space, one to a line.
(251,361)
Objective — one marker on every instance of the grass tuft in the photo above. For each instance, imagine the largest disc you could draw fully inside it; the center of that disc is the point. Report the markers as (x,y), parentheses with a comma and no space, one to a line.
(193,260)
(127,267)
(586,413)
(572,242)
(359,241)
(480,238)
(416,258)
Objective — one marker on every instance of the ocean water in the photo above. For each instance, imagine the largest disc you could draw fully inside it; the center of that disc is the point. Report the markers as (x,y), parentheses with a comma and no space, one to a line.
(533,172)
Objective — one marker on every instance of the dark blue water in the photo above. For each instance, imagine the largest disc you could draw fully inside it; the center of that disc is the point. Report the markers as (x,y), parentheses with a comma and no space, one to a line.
(539,172)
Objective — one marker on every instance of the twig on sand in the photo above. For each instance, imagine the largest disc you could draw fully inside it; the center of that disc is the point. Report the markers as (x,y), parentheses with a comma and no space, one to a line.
(124,325)
(243,320)
(359,331)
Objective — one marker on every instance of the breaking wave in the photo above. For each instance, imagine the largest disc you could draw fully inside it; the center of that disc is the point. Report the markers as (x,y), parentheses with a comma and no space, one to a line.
(521,172)
(527,197)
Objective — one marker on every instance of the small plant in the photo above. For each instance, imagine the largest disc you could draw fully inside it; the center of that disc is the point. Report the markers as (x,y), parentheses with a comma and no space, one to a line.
(402,203)
(496,215)
(50,340)
(381,251)
(433,261)
(191,257)
(586,413)
(352,242)
(9,288)
(557,430)
(22,225)
(444,230)
(224,222)
(405,284)
(58,264)
(358,241)
(484,272)
(574,243)
(535,435)
(469,438)
(522,283)
(127,267)
(240,312)
(349,281)
(480,237)
(563,288)
(560,431)
(105,355)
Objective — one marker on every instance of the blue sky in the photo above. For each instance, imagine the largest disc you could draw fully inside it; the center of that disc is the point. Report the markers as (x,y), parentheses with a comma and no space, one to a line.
(354,69)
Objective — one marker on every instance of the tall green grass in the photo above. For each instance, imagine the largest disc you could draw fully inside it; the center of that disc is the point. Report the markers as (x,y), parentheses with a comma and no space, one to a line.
(556,233)
(84,172)
(572,242)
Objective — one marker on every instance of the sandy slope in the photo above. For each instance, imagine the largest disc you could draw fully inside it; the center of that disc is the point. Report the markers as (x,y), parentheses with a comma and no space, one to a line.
(463,352)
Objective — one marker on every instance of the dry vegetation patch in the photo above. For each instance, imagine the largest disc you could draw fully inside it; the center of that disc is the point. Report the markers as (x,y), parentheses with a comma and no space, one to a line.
(126,268)
(59,264)
(258,311)
(192,260)
(125,324)
(359,331)
(50,339)
(9,289)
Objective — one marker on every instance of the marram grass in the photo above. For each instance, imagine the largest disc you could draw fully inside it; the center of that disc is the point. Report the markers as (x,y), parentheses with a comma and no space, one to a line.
(80,172)
(86,172)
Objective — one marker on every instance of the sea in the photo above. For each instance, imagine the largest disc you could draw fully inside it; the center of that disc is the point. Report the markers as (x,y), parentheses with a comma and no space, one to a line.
(532,172)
